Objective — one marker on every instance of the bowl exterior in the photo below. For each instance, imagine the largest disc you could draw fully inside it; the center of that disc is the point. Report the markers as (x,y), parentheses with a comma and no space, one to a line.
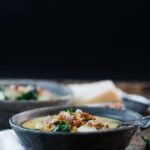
(102,141)
(135,106)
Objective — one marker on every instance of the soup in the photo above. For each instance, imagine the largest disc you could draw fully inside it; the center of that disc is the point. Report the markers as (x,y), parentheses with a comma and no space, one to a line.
(71,121)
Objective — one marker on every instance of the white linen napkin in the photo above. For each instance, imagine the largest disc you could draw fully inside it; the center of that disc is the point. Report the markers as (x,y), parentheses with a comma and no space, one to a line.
(9,141)
(95,92)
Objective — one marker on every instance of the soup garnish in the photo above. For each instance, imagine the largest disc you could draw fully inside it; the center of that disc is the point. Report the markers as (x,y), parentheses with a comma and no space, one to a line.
(71,121)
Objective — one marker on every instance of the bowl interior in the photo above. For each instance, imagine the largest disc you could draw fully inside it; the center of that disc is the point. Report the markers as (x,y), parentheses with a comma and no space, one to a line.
(121,115)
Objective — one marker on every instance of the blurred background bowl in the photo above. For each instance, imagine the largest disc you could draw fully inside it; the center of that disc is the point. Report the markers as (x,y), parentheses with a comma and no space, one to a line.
(9,108)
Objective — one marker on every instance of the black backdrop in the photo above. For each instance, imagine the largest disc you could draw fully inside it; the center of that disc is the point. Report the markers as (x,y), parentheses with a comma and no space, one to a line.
(75,39)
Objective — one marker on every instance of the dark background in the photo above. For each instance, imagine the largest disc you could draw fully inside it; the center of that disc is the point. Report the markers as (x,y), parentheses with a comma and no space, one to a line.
(75,39)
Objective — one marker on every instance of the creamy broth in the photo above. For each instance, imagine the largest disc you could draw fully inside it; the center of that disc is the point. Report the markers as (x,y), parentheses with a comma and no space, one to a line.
(30,124)
(71,121)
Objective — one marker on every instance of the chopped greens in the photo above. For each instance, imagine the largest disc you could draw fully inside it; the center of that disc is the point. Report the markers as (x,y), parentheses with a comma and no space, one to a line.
(31,95)
(62,127)
(147,142)
(71,111)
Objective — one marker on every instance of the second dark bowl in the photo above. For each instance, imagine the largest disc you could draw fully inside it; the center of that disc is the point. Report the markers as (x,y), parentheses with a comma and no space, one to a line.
(9,108)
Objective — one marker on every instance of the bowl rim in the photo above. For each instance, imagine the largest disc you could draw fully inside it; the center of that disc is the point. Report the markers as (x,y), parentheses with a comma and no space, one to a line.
(14,125)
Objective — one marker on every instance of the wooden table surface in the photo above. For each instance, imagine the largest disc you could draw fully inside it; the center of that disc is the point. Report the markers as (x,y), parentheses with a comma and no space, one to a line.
(137,142)
(141,88)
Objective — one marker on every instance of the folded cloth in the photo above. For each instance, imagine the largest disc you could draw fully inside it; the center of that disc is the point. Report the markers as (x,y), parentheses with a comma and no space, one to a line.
(95,92)
(9,141)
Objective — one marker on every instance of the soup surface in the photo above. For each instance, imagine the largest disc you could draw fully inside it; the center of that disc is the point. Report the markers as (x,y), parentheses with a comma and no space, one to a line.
(71,121)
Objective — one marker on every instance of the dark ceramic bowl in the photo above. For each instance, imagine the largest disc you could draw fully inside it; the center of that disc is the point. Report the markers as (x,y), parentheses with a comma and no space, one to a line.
(136,103)
(116,139)
(9,108)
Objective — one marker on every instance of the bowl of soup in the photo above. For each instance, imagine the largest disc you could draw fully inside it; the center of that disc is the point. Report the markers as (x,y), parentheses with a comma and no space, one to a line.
(65,128)
(24,94)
